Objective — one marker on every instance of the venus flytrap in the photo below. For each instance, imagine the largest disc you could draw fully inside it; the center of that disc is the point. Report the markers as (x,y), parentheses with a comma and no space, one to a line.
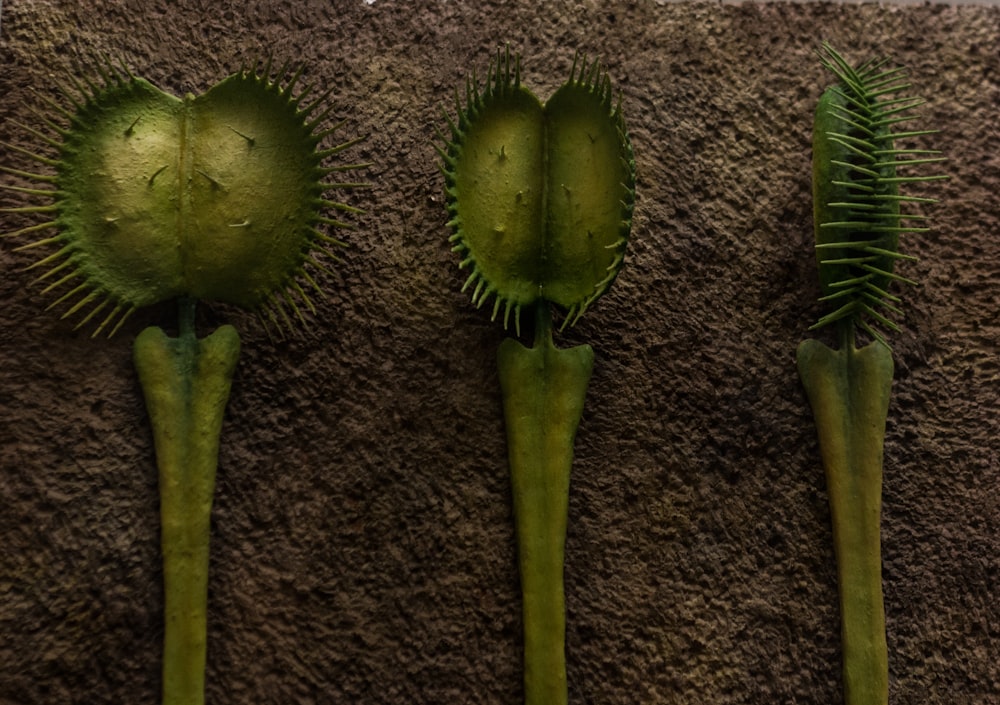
(540,199)
(858,221)
(153,198)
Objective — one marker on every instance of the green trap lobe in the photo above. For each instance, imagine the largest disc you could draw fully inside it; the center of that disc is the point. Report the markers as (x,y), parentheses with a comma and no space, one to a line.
(120,218)
(500,181)
(586,173)
(540,196)
(250,193)
(210,197)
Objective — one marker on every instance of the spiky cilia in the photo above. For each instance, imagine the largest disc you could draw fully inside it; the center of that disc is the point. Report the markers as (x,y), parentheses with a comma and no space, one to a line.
(856,195)
(540,198)
(152,197)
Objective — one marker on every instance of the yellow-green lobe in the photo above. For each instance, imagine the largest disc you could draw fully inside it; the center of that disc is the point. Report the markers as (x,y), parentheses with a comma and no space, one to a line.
(500,184)
(586,176)
(118,193)
(250,192)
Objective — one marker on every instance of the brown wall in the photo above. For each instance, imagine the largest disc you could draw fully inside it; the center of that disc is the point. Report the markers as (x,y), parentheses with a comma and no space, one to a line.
(362,548)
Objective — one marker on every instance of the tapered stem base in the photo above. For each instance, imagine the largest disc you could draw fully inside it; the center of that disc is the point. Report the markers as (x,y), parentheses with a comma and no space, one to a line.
(848,390)
(186,384)
(543,392)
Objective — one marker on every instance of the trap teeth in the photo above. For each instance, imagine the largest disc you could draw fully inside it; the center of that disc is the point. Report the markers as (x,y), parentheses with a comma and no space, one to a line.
(857,203)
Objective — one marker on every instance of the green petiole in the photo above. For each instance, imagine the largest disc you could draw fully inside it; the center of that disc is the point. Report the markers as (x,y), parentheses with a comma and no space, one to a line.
(186,383)
(848,390)
(543,391)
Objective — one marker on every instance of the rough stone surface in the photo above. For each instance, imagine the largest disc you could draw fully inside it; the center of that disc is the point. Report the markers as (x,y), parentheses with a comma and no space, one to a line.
(363,544)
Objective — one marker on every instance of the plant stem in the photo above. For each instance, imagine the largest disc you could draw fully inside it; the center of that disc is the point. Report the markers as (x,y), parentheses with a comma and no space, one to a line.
(543,391)
(186,384)
(849,393)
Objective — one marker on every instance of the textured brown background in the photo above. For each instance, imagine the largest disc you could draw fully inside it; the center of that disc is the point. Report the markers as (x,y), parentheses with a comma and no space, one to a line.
(362,548)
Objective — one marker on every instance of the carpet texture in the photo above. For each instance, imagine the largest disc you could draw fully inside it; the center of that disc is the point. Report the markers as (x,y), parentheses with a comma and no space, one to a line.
(362,546)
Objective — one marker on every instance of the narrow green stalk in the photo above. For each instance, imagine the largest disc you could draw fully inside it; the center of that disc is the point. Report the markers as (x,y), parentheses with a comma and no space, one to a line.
(186,384)
(848,390)
(543,391)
